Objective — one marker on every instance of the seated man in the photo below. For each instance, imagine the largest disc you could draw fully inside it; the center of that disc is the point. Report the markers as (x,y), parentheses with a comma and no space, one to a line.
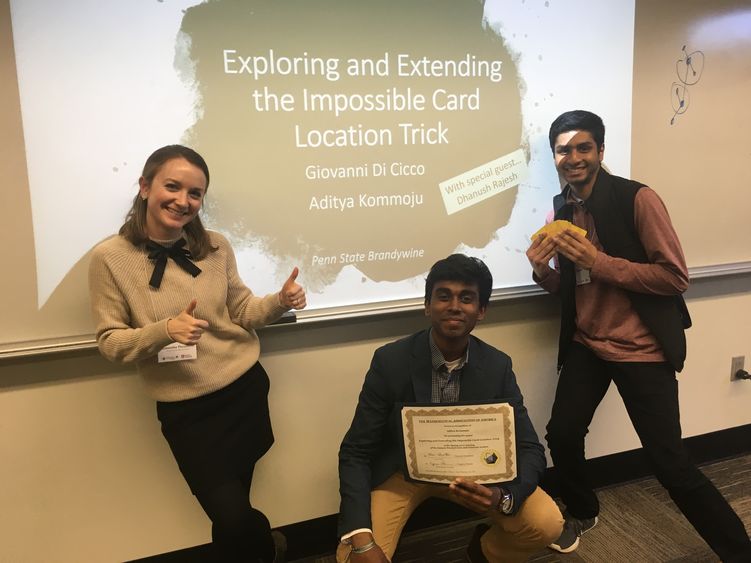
(441,365)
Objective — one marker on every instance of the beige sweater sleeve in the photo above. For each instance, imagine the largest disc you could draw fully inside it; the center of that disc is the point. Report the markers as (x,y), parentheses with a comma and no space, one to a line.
(116,336)
(245,309)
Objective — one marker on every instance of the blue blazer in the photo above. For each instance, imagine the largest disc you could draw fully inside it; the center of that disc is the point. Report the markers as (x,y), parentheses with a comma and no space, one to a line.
(401,372)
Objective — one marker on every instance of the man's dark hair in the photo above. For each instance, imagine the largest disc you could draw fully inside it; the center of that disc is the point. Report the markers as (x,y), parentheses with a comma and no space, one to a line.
(578,120)
(461,268)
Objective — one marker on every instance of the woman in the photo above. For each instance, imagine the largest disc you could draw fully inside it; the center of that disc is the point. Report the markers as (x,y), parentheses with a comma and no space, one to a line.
(166,295)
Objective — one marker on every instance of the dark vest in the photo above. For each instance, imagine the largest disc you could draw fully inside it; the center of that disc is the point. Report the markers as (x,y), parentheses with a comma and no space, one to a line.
(611,204)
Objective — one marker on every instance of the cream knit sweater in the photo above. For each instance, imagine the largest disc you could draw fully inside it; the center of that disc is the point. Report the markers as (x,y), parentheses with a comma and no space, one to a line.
(131,317)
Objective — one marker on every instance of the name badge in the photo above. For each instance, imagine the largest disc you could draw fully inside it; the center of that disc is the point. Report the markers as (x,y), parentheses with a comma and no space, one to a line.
(582,277)
(177,352)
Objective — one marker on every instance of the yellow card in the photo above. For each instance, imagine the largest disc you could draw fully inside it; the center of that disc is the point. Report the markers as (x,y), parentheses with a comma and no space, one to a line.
(557,227)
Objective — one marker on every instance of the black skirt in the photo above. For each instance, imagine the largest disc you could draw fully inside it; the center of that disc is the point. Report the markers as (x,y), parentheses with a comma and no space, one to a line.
(216,438)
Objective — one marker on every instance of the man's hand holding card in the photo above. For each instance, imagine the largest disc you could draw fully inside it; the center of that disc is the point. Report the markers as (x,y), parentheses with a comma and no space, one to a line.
(564,237)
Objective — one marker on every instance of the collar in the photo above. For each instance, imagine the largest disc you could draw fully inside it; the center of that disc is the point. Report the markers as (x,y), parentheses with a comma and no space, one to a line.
(436,356)
(571,197)
(169,242)
(566,197)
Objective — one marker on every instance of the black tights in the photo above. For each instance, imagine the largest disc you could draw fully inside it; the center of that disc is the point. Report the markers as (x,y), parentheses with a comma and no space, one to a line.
(239,532)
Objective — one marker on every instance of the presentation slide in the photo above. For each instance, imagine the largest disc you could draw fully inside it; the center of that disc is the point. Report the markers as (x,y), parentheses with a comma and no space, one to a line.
(361,141)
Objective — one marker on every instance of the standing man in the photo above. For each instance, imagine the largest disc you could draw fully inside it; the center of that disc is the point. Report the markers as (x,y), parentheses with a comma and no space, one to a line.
(443,364)
(623,320)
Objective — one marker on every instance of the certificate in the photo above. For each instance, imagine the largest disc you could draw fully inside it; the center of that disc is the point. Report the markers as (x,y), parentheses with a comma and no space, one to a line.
(475,442)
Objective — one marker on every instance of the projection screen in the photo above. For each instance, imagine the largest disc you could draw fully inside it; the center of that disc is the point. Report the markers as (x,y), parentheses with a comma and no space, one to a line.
(360,141)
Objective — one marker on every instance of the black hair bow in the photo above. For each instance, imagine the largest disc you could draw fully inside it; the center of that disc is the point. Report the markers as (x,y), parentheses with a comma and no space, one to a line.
(160,254)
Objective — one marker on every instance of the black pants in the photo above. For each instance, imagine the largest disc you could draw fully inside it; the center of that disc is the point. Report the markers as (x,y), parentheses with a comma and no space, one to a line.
(650,394)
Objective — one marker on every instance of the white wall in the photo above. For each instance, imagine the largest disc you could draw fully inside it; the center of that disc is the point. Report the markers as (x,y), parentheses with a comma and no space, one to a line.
(85,474)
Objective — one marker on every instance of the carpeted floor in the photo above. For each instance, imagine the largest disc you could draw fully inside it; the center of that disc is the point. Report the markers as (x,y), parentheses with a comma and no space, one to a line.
(638,523)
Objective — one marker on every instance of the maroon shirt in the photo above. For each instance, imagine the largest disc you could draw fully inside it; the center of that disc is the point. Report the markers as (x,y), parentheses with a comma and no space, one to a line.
(605,320)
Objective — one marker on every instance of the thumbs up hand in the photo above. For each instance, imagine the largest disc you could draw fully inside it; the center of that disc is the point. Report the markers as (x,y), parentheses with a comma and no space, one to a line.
(185,328)
(292,294)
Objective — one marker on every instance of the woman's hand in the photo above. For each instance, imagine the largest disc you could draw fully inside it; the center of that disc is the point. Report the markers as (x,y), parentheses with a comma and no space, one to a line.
(185,328)
(292,294)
